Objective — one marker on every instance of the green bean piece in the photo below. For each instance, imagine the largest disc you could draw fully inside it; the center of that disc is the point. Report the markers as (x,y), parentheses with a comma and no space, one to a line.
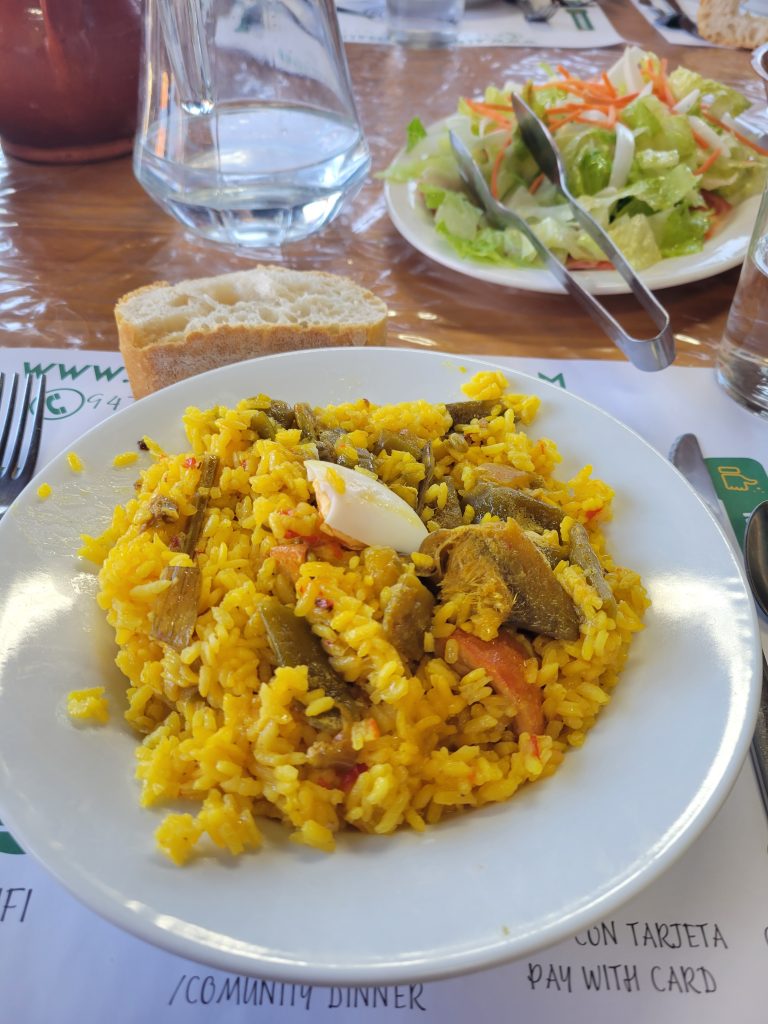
(282,413)
(427,459)
(208,470)
(583,554)
(263,425)
(306,420)
(293,643)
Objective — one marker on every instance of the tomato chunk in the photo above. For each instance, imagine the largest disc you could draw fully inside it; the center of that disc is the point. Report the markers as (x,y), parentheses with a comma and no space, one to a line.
(504,663)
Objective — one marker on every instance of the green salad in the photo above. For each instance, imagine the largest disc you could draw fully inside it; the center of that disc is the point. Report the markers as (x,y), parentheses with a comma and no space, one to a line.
(656,157)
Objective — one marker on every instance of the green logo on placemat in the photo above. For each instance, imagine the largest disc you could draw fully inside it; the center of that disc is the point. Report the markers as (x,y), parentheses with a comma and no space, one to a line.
(582,21)
(7,843)
(741,485)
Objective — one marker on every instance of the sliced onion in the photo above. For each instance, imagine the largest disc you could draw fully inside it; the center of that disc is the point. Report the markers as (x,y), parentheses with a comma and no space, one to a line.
(715,141)
(684,105)
(598,116)
(625,73)
(623,155)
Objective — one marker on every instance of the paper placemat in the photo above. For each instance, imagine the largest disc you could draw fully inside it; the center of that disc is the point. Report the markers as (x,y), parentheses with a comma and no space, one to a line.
(493,24)
(691,949)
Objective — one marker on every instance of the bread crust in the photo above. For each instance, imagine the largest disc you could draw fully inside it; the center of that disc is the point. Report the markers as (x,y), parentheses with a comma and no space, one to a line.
(155,364)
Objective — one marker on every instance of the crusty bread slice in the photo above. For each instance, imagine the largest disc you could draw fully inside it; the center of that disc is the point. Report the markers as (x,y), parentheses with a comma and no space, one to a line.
(171,331)
(722,21)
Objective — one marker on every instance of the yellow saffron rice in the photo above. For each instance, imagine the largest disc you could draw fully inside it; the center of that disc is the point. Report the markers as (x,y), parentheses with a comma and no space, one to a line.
(88,705)
(232,735)
(74,462)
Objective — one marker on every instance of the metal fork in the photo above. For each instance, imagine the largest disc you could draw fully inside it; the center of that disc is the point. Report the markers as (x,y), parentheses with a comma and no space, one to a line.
(17,459)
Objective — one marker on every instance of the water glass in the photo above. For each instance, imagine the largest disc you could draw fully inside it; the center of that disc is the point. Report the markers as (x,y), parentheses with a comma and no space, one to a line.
(742,360)
(424,23)
(248,132)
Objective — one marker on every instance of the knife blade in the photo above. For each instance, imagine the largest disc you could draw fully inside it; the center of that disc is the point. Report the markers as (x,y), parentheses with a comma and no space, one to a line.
(687,456)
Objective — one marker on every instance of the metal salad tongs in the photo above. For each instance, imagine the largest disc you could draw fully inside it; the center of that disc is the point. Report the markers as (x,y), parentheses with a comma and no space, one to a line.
(645,353)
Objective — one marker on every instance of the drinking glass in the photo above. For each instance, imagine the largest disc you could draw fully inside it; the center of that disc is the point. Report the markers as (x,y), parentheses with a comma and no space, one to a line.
(424,23)
(742,359)
(248,132)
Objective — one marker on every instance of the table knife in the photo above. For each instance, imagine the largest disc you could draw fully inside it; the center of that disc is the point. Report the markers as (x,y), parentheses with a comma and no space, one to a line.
(686,455)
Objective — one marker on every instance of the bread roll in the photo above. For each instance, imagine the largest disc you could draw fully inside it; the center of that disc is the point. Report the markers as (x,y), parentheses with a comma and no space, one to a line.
(721,21)
(171,331)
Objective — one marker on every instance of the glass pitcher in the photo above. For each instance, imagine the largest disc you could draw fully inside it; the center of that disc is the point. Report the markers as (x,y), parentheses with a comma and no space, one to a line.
(248,132)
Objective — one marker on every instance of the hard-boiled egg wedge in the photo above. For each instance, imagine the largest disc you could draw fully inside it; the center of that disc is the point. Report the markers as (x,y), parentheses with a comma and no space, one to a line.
(362,511)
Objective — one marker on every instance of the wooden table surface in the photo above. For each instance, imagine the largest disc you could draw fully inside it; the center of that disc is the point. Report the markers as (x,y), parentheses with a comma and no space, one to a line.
(75,238)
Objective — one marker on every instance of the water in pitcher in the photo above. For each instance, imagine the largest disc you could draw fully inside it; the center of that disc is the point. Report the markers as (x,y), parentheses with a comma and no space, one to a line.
(742,366)
(275,173)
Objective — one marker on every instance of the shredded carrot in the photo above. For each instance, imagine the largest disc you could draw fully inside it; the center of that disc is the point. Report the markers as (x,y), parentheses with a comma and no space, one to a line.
(736,134)
(485,110)
(718,208)
(535,185)
(564,71)
(608,84)
(575,115)
(704,167)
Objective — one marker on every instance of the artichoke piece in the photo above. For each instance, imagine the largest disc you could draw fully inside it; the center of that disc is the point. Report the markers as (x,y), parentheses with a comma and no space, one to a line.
(497,566)
(161,509)
(509,503)
(583,554)
(407,617)
(465,412)
(451,514)
(399,441)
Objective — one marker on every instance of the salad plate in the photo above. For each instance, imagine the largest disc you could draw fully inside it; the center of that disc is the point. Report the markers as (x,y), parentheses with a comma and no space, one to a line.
(662,159)
(725,250)
(491,885)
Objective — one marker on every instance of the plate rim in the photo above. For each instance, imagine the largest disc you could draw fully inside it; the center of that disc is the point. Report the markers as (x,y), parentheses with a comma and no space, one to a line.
(492,954)
(415,227)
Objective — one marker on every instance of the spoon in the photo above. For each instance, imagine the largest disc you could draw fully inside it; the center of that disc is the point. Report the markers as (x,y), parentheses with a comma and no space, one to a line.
(756,555)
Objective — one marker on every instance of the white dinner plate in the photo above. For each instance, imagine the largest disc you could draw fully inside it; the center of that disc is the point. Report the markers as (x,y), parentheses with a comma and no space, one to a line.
(725,250)
(494,884)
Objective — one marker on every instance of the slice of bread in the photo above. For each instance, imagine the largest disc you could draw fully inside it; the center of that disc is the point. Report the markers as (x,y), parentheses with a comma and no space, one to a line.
(722,21)
(171,331)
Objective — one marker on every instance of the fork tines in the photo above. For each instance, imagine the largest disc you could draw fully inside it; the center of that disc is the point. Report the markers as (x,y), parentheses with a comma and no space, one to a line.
(18,423)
